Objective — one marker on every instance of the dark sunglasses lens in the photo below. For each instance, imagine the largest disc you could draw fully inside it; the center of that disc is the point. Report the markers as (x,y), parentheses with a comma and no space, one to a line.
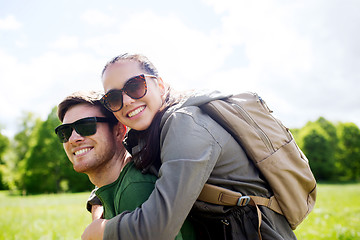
(87,128)
(83,127)
(114,100)
(64,133)
(136,87)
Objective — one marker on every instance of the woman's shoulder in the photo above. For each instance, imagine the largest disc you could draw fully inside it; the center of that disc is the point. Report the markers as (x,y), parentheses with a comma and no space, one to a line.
(190,120)
(190,101)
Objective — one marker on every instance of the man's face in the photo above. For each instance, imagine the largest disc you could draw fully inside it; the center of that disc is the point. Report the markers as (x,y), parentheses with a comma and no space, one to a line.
(89,154)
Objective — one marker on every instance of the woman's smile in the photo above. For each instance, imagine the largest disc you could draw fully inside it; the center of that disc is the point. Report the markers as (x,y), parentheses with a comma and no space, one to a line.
(136,111)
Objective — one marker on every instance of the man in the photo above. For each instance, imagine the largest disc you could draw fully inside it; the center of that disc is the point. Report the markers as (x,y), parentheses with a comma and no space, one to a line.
(95,148)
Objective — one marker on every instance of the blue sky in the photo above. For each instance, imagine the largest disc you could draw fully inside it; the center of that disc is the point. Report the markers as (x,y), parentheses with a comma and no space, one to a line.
(302,57)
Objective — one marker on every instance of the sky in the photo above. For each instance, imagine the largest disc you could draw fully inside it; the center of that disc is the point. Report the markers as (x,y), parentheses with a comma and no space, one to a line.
(301,57)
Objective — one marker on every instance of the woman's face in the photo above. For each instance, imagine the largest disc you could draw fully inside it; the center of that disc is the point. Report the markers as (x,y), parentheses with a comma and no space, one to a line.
(135,113)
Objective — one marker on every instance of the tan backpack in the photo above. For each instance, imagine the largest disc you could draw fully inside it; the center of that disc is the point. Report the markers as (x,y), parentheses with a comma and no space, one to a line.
(272,148)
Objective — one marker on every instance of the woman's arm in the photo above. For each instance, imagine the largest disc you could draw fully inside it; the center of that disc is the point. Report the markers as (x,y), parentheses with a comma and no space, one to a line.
(189,153)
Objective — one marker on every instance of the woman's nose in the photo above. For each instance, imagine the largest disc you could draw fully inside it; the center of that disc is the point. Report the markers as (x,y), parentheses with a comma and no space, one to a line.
(127,100)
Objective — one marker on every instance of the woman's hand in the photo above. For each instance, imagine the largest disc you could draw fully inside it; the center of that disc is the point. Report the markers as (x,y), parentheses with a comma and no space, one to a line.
(95,230)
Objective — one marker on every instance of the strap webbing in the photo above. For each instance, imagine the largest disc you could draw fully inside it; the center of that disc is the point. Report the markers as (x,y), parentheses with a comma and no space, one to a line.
(259,217)
(222,196)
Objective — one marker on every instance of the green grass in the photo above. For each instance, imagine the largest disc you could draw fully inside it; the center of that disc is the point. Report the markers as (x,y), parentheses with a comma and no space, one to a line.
(336,214)
(63,216)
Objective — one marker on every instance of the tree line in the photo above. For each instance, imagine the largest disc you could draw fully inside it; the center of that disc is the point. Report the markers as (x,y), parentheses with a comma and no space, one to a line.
(34,160)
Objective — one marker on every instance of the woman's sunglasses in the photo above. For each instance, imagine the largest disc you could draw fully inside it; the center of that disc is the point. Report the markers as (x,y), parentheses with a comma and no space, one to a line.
(84,127)
(135,88)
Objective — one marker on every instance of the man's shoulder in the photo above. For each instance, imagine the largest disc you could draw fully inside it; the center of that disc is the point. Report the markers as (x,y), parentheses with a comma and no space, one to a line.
(134,175)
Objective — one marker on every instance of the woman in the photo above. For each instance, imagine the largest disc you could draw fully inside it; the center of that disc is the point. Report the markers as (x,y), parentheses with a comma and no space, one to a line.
(172,137)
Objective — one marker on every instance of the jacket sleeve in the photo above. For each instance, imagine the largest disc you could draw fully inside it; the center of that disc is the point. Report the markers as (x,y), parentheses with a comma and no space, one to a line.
(92,200)
(189,152)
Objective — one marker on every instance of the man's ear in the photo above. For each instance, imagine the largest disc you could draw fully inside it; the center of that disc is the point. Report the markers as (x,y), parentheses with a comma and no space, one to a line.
(120,131)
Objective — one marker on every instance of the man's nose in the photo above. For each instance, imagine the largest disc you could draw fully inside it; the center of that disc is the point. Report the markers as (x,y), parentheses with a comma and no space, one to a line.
(75,137)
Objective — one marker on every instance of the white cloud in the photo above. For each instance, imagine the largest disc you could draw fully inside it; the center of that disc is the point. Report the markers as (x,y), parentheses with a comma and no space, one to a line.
(40,84)
(97,18)
(271,42)
(9,23)
(301,57)
(183,55)
(287,62)
(8,87)
(21,43)
(66,42)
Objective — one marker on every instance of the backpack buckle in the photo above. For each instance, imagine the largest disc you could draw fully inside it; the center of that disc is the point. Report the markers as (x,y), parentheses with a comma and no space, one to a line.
(243,201)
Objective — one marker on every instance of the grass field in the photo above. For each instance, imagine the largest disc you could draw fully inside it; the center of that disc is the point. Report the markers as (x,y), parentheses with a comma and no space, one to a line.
(43,217)
(63,216)
(336,214)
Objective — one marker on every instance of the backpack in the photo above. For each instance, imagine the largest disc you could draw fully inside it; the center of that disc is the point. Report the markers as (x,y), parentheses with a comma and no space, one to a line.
(272,148)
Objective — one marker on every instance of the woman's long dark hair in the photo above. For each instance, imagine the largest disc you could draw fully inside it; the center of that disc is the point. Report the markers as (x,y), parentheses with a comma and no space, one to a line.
(150,153)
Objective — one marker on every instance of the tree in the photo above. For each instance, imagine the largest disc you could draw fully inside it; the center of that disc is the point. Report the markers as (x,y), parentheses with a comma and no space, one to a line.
(19,148)
(349,151)
(4,144)
(318,147)
(331,131)
(23,138)
(47,168)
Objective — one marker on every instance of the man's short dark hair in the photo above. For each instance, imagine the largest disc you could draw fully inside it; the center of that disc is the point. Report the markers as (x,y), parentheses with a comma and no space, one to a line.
(89,97)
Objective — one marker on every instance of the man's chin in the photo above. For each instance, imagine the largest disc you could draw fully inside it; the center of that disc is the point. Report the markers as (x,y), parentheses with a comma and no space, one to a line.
(80,168)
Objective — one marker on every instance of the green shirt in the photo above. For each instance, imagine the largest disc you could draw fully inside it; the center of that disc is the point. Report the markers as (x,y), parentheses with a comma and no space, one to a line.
(128,192)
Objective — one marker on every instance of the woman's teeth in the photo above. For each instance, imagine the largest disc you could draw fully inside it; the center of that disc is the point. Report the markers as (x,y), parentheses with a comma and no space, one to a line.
(136,111)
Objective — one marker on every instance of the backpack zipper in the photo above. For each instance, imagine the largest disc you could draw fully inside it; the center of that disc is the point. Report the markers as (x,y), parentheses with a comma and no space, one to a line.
(258,130)
(283,128)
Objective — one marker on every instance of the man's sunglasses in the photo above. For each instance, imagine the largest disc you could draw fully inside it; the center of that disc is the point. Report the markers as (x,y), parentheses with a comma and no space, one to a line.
(84,127)
(135,88)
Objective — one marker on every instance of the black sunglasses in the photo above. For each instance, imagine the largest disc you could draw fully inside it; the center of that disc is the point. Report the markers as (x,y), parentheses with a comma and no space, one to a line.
(84,127)
(135,88)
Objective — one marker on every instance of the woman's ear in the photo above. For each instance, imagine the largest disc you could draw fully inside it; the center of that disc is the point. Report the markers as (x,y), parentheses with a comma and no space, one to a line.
(161,85)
